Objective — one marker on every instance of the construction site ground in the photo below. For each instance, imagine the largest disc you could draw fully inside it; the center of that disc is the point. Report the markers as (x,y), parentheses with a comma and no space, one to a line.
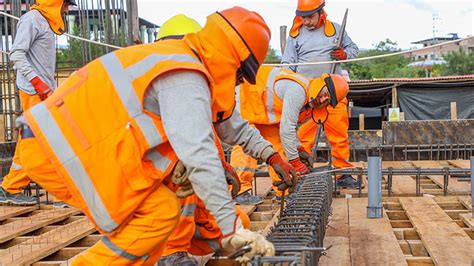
(432,229)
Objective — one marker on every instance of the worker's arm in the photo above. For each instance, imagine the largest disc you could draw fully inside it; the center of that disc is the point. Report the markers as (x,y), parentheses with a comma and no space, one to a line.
(289,55)
(237,131)
(27,32)
(184,105)
(293,96)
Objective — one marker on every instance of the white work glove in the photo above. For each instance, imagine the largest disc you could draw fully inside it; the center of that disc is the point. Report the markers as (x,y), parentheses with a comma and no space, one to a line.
(180,177)
(243,237)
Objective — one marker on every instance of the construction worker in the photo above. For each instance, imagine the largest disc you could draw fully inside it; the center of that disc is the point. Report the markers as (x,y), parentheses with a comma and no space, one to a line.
(275,105)
(313,38)
(113,160)
(197,232)
(34,57)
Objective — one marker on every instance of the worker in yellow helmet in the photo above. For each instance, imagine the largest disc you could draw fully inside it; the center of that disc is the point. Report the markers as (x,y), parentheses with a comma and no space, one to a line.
(177,26)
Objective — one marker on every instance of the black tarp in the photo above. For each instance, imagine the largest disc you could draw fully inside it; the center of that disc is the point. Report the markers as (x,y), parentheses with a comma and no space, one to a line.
(435,103)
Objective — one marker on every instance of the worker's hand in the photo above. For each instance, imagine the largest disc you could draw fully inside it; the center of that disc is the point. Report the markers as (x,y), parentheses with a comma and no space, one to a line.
(305,157)
(284,170)
(232,178)
(180,177)
(41,88)
(243,237)
(299,166)
(338,53)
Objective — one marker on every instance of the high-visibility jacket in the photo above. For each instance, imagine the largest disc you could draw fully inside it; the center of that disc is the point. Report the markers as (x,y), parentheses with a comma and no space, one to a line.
(113,155)
(259,103)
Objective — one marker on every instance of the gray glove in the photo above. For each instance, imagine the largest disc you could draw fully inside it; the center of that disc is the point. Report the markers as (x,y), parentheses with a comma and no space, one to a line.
(180,177)
(243,237)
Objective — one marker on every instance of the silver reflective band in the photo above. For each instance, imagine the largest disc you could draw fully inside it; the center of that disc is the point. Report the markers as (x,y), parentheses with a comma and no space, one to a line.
(248,169)
(130,100)
(73,166)
(270,94)
(146,64)
(16,166)
(159,161)
(211,242)
(188,210)
(122,253)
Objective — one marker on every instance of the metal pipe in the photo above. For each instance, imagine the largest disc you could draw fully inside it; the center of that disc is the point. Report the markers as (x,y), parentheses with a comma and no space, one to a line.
(374,209)
(472,186)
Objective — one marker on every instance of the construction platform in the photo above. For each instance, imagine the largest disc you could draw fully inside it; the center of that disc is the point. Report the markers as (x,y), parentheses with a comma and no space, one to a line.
(431,229)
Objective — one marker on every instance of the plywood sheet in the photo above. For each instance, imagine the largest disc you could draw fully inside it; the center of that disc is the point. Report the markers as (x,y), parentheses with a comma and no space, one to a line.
(445,241)
(372,241)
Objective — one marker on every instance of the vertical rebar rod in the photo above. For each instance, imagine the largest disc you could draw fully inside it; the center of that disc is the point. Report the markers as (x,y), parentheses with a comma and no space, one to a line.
(374,171)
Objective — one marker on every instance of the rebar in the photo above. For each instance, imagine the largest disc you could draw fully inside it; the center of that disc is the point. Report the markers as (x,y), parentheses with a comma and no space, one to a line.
(298,235)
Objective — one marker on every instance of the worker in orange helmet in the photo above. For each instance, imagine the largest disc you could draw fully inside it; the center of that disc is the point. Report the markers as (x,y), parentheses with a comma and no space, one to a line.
(275,105)
(33,55)
(313,38)
(113,160)
(197,231)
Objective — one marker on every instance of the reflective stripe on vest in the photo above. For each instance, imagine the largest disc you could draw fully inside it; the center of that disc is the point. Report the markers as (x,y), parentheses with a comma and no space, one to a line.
(123,85)
(270,94)
(73,166)
(247,169)
(188,210)
(122,253)
(16,166)
(213,244)
(159,161)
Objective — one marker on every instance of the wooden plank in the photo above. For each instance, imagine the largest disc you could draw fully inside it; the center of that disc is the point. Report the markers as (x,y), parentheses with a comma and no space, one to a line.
(454,186)
(445,241)
(248,209)
(271,223)
(7,212)
(44,245)
(466,201)
(28,224)
(460,163)
(372,241)
(401,184)
(337,234)
(454,111)
(361,121)
(468,220)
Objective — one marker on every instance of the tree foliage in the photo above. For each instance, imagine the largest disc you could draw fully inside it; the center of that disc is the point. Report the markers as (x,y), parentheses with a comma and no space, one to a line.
(272,56)
(387,67)
(458,63)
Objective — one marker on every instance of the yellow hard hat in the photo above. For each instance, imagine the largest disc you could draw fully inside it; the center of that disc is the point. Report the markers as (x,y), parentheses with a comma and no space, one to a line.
(177,26)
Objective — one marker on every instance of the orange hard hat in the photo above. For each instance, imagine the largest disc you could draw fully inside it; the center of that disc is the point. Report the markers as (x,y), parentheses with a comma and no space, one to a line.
(252,30)
(336,84)
(309,7)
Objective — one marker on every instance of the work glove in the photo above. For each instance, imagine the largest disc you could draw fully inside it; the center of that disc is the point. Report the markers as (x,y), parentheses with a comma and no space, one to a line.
(305,157)
(243,237)
(180,177)
(284,170)
(41,88)
(299,166)
(232,178)
(338,53)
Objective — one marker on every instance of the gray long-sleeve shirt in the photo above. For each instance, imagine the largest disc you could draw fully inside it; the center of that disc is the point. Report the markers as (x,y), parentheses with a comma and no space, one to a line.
(183,101)
(33,52)
(294,97)
(315,46)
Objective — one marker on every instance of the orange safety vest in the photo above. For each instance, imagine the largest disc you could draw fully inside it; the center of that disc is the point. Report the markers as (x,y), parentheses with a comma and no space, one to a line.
(111,151)
(259,103)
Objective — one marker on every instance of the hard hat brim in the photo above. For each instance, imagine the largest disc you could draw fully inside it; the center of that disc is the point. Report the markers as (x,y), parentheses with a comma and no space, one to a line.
(306,13)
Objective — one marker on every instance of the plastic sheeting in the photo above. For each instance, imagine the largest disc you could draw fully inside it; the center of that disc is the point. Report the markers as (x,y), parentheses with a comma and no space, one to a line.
(435,103)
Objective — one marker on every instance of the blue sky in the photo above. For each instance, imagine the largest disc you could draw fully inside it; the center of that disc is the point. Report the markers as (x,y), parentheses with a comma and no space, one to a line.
(369,21)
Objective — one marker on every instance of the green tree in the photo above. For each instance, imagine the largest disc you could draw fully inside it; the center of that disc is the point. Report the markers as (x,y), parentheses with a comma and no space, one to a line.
(458,63)
(388,67)
(272,56)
